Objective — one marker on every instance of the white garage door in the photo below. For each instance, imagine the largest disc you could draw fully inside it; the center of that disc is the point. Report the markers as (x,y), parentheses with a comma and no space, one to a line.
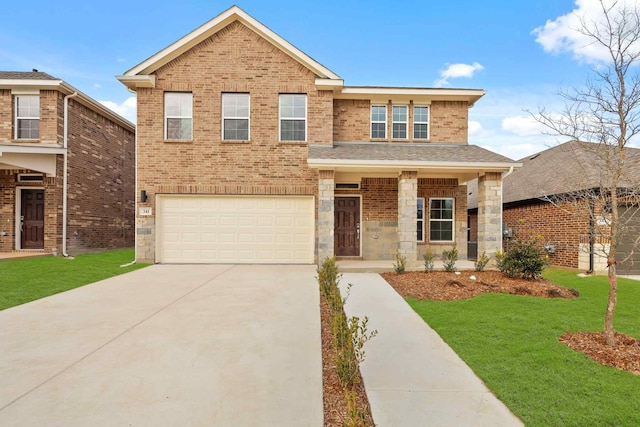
(235,229)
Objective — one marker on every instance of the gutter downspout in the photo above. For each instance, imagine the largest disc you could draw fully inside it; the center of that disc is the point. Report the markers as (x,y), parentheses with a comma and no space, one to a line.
(64,173)
(504,175)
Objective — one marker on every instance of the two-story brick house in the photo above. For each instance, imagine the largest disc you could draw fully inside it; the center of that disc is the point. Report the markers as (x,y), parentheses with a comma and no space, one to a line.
(250,151)
(67,169)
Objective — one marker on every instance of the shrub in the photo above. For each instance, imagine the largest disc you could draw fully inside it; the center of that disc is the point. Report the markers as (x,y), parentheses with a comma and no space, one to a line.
(429,258)
(351,353)
(356,418)
(449,259)
(400,265)
(523,259)
(328,276)
(481,262)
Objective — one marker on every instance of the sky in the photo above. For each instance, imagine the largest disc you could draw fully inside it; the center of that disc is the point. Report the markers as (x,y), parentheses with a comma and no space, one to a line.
(523,53)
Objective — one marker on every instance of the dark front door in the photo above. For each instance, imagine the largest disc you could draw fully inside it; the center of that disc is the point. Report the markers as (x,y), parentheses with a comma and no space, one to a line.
(32,219)
(347,226)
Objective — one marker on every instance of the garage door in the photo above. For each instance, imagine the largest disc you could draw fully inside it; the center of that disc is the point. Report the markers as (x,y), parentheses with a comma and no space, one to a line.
(235,229)
(630,217)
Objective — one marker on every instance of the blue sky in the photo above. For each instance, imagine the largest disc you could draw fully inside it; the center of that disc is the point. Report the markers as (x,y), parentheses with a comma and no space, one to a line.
(465,43)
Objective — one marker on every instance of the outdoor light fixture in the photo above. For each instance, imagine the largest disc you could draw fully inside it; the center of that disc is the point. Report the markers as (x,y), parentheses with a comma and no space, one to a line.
(143,196)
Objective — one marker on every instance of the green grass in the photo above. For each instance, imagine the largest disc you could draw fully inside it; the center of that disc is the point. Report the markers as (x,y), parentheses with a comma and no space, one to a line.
(28,279)
(511,342)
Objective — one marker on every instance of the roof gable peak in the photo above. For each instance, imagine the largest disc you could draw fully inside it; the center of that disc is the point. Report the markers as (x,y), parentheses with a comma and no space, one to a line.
(216,24)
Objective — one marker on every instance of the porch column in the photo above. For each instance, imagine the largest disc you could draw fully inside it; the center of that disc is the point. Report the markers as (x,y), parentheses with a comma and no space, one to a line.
(490,213)
(326,219)
(407,208)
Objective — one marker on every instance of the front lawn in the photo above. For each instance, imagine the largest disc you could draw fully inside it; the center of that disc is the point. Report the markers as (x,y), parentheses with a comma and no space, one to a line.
(28,279)
(511,342)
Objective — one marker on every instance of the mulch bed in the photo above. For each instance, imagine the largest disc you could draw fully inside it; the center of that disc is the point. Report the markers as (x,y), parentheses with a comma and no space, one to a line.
(625,356)
(335,403)
(444,286)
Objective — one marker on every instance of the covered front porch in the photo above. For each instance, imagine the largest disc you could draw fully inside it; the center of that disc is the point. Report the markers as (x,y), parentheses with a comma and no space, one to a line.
(377,201)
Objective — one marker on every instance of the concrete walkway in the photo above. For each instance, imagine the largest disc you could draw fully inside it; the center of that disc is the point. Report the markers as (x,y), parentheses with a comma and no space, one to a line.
(168,345)
(411,376)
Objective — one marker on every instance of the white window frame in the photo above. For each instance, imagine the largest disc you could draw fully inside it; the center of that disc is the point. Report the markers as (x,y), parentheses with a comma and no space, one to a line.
(281,118)
(231,117)
(405,122)
(18,117)
(452,220)
(421,220)
(416,122)
(167,116)
(378,121)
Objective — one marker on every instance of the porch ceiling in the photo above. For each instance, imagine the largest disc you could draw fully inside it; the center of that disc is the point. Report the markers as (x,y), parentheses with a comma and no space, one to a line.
(36,157)
(462,161)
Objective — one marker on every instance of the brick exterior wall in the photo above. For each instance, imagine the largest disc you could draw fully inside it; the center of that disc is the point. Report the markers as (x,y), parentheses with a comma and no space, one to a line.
(547,223)
(101,178)
(233,60)
(448,121)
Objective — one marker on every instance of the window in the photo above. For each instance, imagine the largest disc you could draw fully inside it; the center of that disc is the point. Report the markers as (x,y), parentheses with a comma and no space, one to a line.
(178,115)
(420,122)
(235,116)
(420,220)
(441,220)
(27,117)
(378,121)
(399,124)
(293,117)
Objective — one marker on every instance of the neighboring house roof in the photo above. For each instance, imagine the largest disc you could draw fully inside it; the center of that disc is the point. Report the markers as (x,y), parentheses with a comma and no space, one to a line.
(142,75)
(37,80)
(404,156)
(562,169)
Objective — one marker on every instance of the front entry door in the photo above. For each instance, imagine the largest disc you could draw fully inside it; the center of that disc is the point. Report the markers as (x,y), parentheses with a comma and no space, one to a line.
(347,226)
(32,219)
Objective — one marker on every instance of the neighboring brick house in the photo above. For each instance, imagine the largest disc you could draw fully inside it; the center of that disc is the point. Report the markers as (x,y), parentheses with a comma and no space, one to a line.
(250,151)
(564,174)
(67,169)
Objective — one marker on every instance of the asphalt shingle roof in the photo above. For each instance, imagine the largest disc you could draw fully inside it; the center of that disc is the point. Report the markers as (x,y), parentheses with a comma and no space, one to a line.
(25,75)
(562,169)
(427,152)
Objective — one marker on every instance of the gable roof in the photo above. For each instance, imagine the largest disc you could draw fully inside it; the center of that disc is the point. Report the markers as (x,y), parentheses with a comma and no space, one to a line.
(562,169)
(133,77)
(37,80)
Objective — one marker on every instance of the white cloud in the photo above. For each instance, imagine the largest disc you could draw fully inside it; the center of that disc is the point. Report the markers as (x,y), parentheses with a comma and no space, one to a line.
(561,34)
(476,129)
(523,125)
(453,71)
(120,59)
(127,108)
(97,85)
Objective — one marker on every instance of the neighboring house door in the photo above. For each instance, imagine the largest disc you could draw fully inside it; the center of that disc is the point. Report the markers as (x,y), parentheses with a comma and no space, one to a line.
(32,219)
(347,226)
(630,217)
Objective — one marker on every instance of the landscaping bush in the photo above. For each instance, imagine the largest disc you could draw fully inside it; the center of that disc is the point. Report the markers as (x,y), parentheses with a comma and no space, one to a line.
(400,265)
(523,259)
(328,276)
(429,259)
(481,262)
(449,259)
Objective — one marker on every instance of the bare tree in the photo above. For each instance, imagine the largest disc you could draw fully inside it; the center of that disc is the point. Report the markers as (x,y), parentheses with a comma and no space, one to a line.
(606,112)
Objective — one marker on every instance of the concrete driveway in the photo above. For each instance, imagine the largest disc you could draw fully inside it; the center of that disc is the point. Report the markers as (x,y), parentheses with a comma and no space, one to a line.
(168,345)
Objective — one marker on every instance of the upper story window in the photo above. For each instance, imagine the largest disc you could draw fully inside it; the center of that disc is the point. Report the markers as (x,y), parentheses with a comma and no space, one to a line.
(400,121)
(441,220)
(178,115)
(235,116)
(293,117)
(378,121)
(27,117)
(420,122)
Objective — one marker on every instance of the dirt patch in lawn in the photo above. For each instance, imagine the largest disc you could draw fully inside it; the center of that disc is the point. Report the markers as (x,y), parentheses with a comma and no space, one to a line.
(625,356)
(336,409)
(444,286)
